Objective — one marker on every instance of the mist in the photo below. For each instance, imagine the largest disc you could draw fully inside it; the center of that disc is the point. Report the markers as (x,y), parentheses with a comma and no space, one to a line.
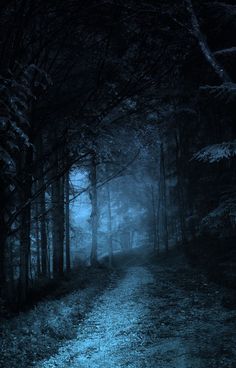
(117,184)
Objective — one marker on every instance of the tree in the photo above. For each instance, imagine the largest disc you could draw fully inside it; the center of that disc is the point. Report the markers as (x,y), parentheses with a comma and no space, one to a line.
(94,213)
(67,225)
(110,234)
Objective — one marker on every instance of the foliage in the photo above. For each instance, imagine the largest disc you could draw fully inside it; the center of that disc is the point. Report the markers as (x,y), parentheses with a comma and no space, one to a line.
(216,152)
(16,99)
(221,217)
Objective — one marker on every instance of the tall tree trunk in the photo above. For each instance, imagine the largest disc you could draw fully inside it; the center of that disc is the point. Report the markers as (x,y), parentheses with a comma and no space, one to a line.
(154,215)
(55,222)
(43,231)
(58,217)
(94,213)
(180,188)
(25,220)
(3,238)
(61,220)
(110,245)
(67,232)
(159,219)
(49,232)
(37,237)
(163,228)
(10,272)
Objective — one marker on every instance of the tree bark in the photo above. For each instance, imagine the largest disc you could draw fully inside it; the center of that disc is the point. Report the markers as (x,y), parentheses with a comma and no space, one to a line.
(42,211)
(110,245)
(37,238)
(25,241)
(43,233)
(55,223)
(58,218)
(163,228)
(61,220)
(3,238)
(154,214)
(94,213)
(180,188)
(67,232)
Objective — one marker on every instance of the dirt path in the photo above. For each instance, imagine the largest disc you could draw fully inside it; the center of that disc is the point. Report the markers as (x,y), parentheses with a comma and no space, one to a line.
(110,337)
(152,318)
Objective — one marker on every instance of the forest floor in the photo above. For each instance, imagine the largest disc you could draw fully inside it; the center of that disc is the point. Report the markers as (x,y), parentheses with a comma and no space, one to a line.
(151,314)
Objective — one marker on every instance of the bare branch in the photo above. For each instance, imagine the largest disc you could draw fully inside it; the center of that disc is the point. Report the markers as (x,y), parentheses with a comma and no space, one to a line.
(206,51)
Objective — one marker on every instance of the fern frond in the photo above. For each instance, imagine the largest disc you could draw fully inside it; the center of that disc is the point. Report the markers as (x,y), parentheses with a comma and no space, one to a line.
(216,152)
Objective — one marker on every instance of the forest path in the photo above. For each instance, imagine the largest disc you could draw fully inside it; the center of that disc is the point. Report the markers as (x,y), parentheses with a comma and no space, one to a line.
(149,319)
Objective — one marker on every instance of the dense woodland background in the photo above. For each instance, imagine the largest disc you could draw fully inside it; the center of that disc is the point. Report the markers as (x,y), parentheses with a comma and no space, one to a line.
(129,105)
